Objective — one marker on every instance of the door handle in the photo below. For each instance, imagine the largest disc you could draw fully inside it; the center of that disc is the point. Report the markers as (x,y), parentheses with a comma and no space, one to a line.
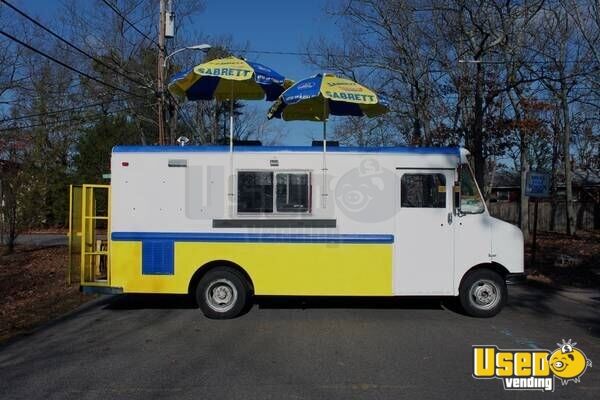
(449,218)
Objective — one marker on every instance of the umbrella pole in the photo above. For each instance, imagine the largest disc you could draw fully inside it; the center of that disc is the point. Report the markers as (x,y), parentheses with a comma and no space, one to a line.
(231,177)
(231,121)
(325,194)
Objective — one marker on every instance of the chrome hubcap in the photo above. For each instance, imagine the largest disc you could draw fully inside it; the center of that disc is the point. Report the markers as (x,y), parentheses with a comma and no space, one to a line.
(484,294)
(221,295)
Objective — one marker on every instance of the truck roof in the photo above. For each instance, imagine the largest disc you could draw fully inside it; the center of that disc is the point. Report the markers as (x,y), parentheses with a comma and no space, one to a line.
(286,149)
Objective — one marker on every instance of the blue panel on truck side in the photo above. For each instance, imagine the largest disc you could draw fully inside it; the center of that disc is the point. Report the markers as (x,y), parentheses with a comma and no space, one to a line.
(157,257)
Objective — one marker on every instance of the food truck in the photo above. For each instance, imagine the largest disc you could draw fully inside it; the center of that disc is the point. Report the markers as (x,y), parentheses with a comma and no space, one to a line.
(224,226)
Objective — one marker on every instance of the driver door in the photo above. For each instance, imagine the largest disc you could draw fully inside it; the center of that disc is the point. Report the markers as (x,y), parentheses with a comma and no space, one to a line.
(424,235)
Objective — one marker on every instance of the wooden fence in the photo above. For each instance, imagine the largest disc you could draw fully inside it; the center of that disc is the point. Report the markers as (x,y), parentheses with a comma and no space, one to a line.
(588,215)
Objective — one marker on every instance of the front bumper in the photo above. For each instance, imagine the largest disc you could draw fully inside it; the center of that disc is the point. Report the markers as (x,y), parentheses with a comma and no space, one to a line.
(95,289)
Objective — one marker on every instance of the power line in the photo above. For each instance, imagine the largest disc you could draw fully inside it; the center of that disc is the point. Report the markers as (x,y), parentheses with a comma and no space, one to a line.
(500,62)
(287,53)
(161,51)
(47,96)
(192,125)
(67,121)
(85,53)
(61,110)
(51,125)
(120,14)
(186,119)
(67,66)
(327,55)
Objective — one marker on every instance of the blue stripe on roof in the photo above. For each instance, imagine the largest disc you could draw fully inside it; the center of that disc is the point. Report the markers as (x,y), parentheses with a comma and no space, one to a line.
(253,237)
(455,151)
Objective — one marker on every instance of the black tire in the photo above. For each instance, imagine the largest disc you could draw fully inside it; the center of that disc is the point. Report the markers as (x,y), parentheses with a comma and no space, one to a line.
(483,293)
(223,293)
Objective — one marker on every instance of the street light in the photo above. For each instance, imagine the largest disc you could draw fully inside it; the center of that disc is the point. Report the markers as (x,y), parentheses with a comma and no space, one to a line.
(173,118)
(202,47)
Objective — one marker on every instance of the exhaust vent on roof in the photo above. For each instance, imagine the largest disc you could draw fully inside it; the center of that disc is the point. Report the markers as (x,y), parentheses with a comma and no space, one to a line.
(330,143)
(225,141)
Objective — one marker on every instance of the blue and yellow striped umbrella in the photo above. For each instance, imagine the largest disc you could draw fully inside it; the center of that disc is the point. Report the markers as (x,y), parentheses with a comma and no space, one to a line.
(322,95)
(229,78)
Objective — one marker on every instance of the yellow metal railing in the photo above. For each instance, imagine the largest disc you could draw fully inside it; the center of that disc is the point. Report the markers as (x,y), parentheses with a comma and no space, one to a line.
(89,235)
(74,235)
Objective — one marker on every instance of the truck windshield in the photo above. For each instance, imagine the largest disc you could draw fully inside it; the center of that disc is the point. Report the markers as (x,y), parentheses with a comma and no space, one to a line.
(470,198)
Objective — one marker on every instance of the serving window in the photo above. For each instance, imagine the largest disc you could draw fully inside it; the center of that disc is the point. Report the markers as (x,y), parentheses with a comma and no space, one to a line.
(268,192)
(255,192)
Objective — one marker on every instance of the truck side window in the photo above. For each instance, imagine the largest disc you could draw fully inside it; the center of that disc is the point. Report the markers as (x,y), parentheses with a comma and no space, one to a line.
(270,192)
(292,192)
(255,192)
(470,199)
(423,191)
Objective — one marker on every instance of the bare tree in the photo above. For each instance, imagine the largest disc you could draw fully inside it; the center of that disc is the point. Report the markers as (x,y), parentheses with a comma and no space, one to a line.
(562,54)
(432,60)
(586,17)
(389,48)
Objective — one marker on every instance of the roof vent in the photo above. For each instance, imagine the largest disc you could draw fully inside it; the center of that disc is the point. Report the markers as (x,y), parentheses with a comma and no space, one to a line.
(225,141)
(330,143)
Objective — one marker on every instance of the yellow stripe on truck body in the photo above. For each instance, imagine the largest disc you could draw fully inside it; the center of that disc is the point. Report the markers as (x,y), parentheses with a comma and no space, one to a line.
(330,269)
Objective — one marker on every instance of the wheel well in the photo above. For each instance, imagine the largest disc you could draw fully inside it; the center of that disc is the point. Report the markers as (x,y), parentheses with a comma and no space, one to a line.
(200,272)
(499,268)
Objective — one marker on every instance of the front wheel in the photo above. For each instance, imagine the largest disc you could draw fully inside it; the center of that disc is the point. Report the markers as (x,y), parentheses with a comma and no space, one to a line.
(222,293)
(483,293)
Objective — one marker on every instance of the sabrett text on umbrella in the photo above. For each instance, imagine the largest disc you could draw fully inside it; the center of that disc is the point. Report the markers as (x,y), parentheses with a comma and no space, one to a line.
(224,71)
(350,96)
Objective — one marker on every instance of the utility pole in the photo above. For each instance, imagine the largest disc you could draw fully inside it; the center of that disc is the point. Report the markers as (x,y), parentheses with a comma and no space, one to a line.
(169,33)
(160,74)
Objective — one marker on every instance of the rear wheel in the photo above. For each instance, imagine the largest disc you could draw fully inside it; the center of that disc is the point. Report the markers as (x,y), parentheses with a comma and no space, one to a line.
(223,293)
(483,293)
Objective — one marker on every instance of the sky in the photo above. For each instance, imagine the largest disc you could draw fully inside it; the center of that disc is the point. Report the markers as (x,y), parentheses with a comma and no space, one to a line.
(280,26)
(265,25)
(270,25)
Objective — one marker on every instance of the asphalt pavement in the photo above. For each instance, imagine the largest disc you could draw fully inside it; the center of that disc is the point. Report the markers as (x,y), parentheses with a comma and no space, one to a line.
(161,347)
